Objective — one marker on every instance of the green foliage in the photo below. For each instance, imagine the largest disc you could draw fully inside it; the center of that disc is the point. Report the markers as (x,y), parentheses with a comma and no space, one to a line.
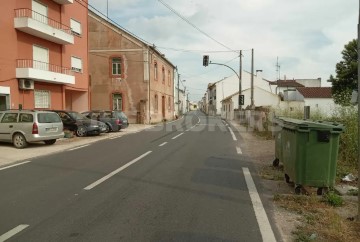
(346,75)
(333,199)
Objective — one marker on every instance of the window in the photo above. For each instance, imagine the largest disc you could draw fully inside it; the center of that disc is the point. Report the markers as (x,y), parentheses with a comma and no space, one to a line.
(169,78)
(163,75)
(117,102)
(156,104)
(25,118)
(9,118)
(76,64)
(116,66)
(169,103)
(42,98)
(75,27)
(155,71)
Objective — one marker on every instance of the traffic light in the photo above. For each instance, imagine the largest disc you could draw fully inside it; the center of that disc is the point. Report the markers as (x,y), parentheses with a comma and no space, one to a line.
(205,60)
(241,100)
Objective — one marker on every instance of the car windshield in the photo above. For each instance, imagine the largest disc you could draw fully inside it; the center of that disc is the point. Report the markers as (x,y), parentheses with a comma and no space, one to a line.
(77,115)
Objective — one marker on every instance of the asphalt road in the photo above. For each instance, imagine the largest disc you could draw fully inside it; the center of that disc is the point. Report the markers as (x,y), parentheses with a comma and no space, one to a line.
(184,181)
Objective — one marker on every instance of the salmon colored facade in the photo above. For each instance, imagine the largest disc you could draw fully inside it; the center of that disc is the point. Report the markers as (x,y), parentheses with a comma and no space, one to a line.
(127,74)
(44,54)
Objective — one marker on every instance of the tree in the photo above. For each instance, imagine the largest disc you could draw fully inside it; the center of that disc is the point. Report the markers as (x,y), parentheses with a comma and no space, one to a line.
(346,75)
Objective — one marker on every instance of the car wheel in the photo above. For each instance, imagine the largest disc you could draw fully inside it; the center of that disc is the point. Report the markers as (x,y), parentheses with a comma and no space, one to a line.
(107,130)
(19,141)
(50,142)
(81,131)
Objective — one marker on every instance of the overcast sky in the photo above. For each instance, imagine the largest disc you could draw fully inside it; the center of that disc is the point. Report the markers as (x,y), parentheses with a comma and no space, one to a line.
(307,36)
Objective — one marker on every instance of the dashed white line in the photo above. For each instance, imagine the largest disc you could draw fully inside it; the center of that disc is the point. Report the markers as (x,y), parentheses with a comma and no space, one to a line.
(238,150)
(177,136)
(12,232)
(115,137)
(260,214)
(163,144)
(79,147)
(18,164)
(232,134)
(113,173)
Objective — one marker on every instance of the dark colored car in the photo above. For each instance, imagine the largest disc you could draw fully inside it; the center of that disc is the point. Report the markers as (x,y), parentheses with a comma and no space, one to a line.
(112,123)
(80,124)
(124,122)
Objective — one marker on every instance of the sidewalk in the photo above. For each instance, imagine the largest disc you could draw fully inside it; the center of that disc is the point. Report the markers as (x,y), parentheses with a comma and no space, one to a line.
(9,154)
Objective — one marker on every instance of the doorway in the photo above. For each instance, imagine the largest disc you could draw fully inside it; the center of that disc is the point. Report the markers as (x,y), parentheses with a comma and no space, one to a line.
(4,102)
(163,106)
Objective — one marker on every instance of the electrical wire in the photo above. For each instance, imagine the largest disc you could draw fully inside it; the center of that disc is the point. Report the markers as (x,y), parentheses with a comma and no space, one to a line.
(193,25)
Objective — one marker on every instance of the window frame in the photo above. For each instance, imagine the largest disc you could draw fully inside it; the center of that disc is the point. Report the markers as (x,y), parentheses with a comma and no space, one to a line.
(45,104)
(116,63)
(72,20)
(73,67)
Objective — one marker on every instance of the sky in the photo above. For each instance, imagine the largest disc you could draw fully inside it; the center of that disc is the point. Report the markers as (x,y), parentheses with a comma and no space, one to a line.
(304,37)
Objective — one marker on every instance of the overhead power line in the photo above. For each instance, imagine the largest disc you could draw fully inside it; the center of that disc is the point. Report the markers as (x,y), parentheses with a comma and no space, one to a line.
(193,25)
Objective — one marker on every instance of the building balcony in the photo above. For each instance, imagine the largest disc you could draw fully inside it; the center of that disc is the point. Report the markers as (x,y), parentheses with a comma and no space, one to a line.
(36,24)
(44,72)
(62,2)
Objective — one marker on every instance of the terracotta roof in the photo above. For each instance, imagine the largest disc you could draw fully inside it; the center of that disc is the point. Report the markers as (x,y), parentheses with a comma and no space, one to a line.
(315,92)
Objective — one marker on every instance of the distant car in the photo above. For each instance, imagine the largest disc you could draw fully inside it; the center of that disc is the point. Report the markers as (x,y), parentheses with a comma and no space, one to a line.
(112,123)
(80,124)
(23,126)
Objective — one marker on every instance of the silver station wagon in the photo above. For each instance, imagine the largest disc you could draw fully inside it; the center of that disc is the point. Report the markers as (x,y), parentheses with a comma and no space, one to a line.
(23,126)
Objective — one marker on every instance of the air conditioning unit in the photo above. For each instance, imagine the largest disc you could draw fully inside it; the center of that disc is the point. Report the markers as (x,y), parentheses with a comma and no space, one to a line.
(26,84)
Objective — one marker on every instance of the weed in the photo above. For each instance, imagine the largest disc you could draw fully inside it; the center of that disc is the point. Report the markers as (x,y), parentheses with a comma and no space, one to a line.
(333,199)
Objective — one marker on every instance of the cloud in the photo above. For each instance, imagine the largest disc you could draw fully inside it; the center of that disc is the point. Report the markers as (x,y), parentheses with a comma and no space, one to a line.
(307,36)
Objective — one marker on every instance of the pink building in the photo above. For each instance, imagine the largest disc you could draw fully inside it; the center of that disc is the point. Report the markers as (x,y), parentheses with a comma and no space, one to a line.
(44,54)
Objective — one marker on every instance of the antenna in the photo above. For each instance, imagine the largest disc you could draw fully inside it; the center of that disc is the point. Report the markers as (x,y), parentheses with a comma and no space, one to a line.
(277,68)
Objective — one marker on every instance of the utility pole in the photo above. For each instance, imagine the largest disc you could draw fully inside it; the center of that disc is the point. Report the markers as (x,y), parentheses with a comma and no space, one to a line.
(178,95)
(358,49)
(240,76)
(252,79)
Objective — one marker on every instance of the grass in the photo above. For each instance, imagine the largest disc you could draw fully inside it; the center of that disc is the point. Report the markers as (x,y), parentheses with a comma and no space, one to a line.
(270,172)
(320,221)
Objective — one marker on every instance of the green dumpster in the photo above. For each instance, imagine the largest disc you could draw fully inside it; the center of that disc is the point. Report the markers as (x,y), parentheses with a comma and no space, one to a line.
(309,153)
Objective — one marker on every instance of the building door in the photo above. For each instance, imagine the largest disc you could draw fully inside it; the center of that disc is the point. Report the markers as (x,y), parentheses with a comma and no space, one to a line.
(39,12)
(117,102)
(41,58)
(4,102)
(163,107)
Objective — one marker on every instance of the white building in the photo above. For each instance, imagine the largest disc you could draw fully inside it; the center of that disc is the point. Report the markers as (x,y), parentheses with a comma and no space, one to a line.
(180,103)
(218,91)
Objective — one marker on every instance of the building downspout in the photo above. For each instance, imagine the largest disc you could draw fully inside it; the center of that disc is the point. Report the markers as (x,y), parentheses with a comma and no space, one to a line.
(149,86)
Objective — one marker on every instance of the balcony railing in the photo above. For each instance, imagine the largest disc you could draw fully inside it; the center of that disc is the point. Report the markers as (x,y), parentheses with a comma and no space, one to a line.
(25,63)
(28,13)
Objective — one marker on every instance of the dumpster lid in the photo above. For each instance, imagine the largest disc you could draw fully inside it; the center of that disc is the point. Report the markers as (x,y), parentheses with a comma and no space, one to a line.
(307,125)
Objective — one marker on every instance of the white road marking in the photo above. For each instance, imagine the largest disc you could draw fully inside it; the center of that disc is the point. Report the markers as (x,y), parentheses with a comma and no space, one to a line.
(177,136)
(12,232)
(232,134)
(163,144)
(115,137)
(238,150)
(101,180)
(18,164)
(260,214)
(79,147)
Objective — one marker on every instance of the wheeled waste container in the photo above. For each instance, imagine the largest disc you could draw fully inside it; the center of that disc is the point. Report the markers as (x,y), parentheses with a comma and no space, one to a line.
(276,132)
(310,152)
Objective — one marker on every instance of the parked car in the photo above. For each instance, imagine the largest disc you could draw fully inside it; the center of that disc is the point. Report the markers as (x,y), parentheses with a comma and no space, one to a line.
(81,125)
(114,119)
(23,126)
(112,123)
(123,118)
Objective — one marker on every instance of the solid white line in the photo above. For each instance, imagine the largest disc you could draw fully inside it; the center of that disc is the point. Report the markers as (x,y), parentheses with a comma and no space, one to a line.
(163,144)
(79,147)
(177,136)
(12,232)
(101,180)
(18,164)
(260,214)
(238,150)
(232,134)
